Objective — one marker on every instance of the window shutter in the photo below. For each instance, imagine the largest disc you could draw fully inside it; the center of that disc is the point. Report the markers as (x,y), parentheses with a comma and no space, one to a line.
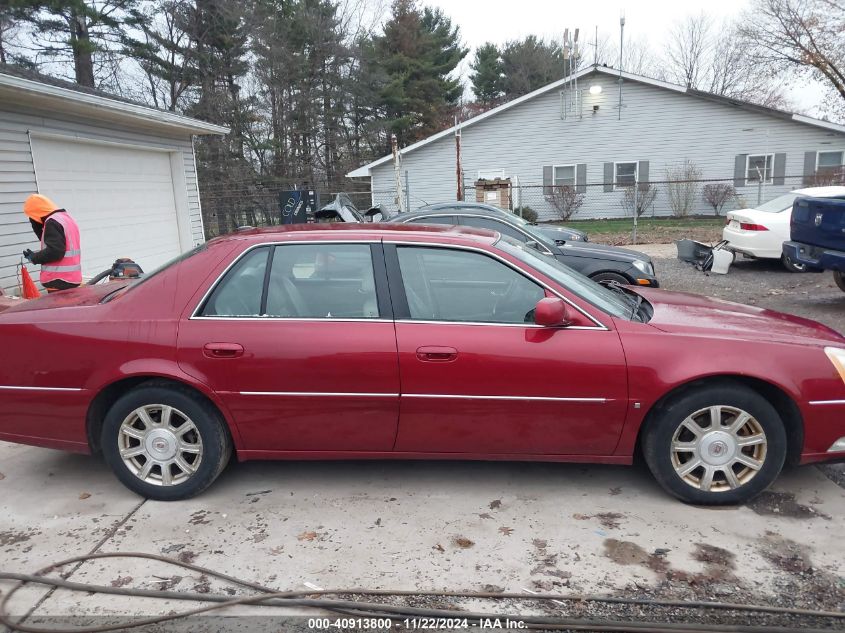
(780,169)
(739,170)
(548,179)
(809,167)
(642,171)
(608,176)
(581,178)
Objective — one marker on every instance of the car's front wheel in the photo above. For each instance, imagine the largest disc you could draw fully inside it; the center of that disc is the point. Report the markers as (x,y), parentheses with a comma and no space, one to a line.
(718,444)
(608,278)
(839,278)
(165,442)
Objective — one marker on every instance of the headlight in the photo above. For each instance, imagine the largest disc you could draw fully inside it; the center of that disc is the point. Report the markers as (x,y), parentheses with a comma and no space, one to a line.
(644,267)
(837,357)
(575,237)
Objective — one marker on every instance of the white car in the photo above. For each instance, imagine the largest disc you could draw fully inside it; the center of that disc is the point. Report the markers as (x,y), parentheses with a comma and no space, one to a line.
(761,232)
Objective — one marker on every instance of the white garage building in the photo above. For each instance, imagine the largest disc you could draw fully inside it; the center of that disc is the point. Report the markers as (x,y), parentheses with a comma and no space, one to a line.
(126,172)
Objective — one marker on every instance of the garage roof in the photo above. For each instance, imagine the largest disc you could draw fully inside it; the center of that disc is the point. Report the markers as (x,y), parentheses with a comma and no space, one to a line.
(24,88)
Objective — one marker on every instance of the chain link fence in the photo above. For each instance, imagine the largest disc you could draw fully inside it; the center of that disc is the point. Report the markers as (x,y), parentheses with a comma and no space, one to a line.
(652,199)
(228,206)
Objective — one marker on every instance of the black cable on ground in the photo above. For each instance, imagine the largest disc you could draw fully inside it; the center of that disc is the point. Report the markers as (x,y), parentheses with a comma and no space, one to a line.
(270,597)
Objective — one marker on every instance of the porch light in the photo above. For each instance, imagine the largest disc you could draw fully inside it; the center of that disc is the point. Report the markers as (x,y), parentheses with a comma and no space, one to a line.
(595,89)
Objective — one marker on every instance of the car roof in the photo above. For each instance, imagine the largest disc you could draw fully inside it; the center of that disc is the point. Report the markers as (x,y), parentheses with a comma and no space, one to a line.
(356,231)
(447,210)
(821,192)
(460,204)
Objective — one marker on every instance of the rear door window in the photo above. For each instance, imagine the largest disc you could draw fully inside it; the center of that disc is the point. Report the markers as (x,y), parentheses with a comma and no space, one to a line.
(238,294)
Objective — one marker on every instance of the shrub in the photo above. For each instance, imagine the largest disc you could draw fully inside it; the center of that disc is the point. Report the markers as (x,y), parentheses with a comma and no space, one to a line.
(527,213)
(682,187)
(566,200)
(646,193)
(717,195)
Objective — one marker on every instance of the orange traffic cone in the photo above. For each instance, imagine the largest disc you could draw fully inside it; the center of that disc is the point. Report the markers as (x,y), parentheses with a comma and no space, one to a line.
(28,288)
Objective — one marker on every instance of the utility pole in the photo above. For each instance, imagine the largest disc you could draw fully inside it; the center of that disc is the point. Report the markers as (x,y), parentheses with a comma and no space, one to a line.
(458,170)
(398,198)
(621,39)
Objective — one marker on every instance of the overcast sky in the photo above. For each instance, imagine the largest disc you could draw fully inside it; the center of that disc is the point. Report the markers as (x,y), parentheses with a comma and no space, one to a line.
(501,20)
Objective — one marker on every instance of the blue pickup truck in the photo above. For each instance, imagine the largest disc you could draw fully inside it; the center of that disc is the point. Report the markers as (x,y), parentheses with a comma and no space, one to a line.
(817,230)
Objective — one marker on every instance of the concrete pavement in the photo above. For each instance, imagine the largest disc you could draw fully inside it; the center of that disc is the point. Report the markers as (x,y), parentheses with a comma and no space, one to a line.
(418,525)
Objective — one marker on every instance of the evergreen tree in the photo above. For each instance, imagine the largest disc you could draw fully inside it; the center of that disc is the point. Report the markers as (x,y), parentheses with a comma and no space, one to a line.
(80,29)
(487,78)
(530,64)
(418,50)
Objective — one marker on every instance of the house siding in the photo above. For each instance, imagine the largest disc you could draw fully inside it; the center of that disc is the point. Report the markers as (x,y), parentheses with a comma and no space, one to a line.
(658,125)
(18,176)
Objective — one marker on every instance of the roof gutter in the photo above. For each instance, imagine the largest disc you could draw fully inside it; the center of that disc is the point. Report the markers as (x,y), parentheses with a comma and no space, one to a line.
(131,110)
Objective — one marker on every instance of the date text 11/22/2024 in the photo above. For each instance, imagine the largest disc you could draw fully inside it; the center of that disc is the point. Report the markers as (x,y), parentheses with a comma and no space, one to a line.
(416,624)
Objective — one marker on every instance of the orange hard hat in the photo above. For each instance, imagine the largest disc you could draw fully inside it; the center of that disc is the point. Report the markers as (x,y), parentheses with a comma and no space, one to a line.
(37,207)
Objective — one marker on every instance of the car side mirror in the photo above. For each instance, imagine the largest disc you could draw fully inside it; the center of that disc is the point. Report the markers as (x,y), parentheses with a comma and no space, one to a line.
(551,312)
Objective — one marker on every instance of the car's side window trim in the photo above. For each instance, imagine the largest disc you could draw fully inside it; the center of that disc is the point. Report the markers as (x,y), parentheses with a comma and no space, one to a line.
(265,286)
(376,257)
(400,302)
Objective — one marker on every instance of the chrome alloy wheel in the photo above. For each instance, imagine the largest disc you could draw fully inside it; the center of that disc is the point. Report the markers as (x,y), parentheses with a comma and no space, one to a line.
(719,448)
(160,445)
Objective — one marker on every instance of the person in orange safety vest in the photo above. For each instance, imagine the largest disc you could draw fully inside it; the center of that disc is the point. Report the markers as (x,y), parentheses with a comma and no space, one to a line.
(60,256)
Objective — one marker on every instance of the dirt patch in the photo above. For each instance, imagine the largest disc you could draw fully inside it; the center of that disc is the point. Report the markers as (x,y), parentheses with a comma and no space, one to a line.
(165,584)
(203,586)
(11,537)
(708,234)
(609,520)
(200,517)
(121,581)
(719,564)
(787,555)
(495,504)
(783,504)
(187,557)
(462,542)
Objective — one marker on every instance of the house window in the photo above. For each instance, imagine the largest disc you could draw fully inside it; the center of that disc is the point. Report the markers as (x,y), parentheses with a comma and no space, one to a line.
(625,175)
(829,163)
(759,167)
(565,176)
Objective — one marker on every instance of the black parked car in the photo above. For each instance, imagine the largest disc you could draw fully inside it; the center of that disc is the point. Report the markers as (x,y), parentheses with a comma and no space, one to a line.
(558,234)
(597,261)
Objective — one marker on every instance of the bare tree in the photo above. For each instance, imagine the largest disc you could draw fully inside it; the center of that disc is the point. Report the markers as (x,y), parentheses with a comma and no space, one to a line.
(566,200)
(682,183)
(718,194)
(689,47)
(638,199)
(804,36)
(710,56)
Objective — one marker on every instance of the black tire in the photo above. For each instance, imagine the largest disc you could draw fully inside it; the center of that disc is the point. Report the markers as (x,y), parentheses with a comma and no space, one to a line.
(792,266)
(608,277)
(210,429)
(839,278)
(660,432)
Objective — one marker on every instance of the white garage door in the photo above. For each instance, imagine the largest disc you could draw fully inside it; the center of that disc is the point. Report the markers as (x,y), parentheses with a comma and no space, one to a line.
(121,197)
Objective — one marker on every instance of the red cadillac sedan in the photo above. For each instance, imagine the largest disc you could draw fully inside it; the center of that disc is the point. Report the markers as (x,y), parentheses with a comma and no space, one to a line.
(399,341)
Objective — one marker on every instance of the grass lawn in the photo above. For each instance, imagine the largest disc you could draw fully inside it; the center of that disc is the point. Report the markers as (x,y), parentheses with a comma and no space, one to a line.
(650,230)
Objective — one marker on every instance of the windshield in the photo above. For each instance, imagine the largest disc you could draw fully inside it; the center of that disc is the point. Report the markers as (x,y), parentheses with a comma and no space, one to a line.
(600,296)
(779,204)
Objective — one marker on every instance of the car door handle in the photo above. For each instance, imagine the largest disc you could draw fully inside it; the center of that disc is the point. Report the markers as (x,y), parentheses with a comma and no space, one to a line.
(222,350)
(434,354)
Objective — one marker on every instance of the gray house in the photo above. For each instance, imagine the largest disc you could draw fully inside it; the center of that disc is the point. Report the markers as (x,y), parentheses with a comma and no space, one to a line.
(576,137)
(126,173)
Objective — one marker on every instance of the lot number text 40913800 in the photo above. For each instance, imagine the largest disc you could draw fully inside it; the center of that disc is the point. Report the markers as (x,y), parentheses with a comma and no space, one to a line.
(415,624)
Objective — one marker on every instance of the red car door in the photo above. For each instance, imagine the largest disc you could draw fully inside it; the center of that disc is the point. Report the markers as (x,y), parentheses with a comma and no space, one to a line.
(479,377)
(298,341)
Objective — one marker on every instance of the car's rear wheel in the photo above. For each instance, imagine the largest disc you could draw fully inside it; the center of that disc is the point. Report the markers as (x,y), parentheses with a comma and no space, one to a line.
(720,444)
(165,443)
(609,278)
(791,265)
(839,278)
